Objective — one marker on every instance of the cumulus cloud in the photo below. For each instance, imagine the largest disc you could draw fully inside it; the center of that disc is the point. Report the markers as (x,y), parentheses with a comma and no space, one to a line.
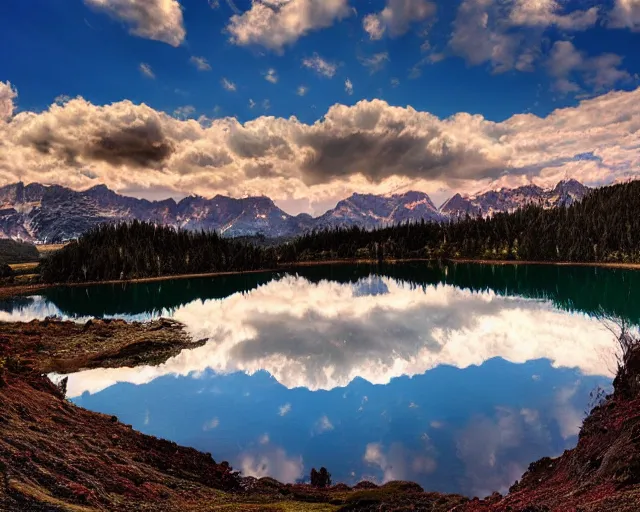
(228,84)
(568,416)
(508,34)
(146,70)
(200,63)
(367,147)
(399,463)
(271,76)
(373,26)
(318,343)
(545,13)
(626,14)
(159,20)
(599,73)
(8,93)
(273,463)
(348,87)
(496,450)
(397,17)
(274,24)
(302,90)
(320,65)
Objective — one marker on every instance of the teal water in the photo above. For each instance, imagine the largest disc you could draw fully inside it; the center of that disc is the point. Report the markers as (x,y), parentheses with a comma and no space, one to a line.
(454,376)
(586,289)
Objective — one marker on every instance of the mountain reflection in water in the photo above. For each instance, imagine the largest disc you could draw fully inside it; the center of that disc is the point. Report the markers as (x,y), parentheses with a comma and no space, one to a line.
(323,335)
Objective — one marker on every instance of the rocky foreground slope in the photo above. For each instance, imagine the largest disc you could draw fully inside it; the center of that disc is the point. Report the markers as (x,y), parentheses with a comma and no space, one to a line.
(55,456)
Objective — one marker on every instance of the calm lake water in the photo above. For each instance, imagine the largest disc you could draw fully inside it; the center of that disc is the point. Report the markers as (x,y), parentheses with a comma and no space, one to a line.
(456,377)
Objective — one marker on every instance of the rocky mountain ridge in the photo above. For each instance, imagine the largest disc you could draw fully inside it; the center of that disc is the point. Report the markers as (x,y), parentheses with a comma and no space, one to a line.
(51,214)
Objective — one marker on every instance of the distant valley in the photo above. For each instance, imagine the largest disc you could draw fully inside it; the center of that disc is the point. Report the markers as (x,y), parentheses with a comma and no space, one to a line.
(52,214)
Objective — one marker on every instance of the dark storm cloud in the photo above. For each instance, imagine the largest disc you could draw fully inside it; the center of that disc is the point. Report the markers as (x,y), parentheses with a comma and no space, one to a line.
(381,155)
(139,146)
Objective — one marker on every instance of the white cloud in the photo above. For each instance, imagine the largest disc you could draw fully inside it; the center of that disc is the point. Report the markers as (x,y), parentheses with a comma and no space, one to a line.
(251,103)
(397,17)
(214,4)
(228,84)
(284,409)
(184,112)
(273,463)
(496,449)
(368,147)
(324,425)
(146,70)
(266,104)
(394,82)
(320,65)
(302,90)
(61,99)
(569,418)
(398,463)
(271,76)
(348,87)
(274,24)
(200,63)
(545,13)
(626,14)
(509,34)
(211,424)
(8,93)
(373,26)
(159,20)
(599,73)
(264,439)
(294,340)
(376,62)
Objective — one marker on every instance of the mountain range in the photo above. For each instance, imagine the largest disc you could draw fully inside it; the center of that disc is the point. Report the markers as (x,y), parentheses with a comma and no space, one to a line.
(53,213)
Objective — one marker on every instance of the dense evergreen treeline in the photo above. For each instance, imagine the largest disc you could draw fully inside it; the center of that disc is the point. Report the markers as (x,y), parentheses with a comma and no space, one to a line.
(604,227)
(138,249)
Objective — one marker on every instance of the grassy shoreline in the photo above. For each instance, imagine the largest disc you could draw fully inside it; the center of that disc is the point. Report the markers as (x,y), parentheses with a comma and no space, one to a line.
(7,291)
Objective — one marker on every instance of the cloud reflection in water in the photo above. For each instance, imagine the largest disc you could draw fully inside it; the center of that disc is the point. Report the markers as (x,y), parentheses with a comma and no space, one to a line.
(321,336)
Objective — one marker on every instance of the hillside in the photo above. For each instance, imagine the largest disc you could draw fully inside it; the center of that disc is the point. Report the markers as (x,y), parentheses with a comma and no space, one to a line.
(12,251)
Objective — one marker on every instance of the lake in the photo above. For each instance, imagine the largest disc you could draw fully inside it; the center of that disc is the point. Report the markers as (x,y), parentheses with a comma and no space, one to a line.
(454,376)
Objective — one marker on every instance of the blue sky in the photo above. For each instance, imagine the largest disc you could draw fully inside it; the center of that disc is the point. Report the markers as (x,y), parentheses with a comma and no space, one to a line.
(299,58)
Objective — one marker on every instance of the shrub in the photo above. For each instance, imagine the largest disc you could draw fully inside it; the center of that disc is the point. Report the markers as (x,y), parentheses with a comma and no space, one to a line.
(320,478)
